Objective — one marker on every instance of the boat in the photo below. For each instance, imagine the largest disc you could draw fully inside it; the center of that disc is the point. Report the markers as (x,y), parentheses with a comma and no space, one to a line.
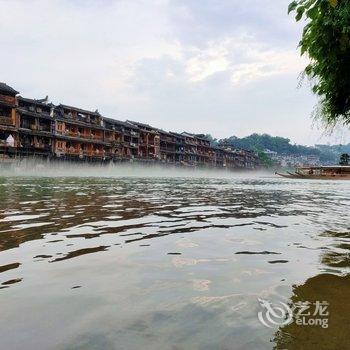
(331,172)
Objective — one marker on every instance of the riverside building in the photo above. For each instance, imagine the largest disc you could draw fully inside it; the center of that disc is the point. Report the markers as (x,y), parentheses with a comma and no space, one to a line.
(35,128)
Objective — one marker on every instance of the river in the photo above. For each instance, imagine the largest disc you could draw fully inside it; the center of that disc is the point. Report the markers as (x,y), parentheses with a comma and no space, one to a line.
(170,262)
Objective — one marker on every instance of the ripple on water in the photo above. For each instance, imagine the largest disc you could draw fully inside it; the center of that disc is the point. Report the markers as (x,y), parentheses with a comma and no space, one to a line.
(167,262)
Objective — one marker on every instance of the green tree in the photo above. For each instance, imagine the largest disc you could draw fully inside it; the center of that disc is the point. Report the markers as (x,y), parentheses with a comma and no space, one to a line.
(326,40)
(266,161)
(344,159)
(213,141)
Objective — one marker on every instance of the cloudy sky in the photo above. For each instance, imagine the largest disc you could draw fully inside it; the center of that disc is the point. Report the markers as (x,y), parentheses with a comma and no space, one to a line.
(225,67)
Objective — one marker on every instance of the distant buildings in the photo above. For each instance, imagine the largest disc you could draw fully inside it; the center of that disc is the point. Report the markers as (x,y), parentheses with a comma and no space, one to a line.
(292,160)
(37,128)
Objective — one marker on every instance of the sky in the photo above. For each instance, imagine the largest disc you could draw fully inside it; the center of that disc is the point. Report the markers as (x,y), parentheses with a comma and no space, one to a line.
(204,66)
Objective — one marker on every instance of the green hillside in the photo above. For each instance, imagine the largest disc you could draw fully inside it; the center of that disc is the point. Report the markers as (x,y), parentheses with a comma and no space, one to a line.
(283,146)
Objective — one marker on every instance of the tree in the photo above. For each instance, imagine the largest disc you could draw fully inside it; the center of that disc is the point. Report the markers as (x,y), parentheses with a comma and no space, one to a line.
(326,40)
(344,159)
(213,141)
(266,161)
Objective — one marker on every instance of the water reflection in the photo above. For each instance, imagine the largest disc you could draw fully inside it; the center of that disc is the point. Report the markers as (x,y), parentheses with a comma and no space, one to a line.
(9,267)
(90,208)
(324,287)
(332,288)
(80,252)
(164,262)
(339,254)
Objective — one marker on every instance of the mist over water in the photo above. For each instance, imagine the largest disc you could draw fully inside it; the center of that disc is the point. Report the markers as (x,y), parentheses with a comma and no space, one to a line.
(130,257)
(40,168)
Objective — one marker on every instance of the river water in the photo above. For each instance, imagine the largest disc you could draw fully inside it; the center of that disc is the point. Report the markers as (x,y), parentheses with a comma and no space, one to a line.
(170,262)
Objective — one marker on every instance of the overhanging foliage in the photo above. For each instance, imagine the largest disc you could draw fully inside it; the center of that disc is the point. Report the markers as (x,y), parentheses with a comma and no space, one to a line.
(326,40)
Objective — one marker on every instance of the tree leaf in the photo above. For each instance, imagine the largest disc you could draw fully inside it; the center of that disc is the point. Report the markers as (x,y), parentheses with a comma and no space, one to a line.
(312,13)
(292,6)
(300,12)
(303,49)
(326,40)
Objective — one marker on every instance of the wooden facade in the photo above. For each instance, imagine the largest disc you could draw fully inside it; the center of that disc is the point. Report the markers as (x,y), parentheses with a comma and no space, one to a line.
(37,128)
(8,120)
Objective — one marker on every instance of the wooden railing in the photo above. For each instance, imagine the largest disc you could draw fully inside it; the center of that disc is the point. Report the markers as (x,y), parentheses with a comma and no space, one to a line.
(7,99)
(73,151)
(6,120)
(44,128)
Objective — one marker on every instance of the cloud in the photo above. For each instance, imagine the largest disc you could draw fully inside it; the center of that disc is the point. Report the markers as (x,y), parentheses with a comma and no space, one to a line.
(243,57)
(224,67)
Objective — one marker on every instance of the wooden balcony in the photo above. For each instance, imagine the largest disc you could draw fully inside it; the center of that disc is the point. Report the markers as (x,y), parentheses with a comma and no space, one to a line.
(6,121)
(73,134)
(44,128)
(7,99)
(98,153)
(73,150)
(42,146)
(96,137)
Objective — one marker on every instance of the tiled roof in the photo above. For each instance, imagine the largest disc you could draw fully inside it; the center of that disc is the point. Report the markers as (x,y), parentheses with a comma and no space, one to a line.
(79,110)
(41,102)
(5,88)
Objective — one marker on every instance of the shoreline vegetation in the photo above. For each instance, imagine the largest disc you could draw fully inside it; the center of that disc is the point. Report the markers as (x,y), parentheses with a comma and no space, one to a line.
(269,147)
(325,42)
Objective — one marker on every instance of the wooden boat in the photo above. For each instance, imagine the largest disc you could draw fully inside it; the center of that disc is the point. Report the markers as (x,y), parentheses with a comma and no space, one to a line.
(333,172)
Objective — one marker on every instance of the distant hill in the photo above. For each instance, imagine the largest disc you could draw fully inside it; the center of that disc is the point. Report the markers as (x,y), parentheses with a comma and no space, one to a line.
(334,149)
(261,142)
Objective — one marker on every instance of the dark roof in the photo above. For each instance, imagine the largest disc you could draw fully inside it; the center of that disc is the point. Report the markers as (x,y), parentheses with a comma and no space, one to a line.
(177,134)
(202,137)
(119,122)
(161,131)
(113,121)
(138,123)
(40,102)
(79,110)
(141,125)
(131,126)
(196,136)
(8,89)
(187,134)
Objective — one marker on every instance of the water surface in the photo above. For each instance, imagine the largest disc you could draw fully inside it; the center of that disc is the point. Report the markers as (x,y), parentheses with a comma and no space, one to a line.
(170,263)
